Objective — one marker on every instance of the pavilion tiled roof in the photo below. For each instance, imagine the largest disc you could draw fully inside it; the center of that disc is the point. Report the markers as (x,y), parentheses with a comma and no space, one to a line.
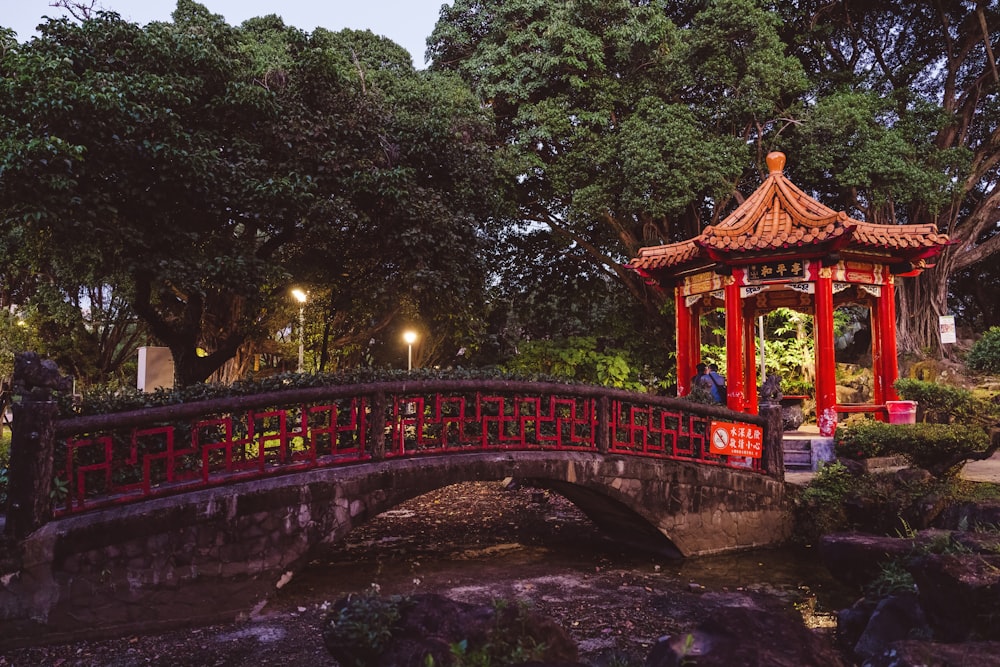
(899,236)
(777,216)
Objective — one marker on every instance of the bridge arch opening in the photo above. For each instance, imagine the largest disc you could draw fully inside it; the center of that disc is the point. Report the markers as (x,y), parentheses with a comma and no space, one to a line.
(480,531)
(614,521)
(617,521)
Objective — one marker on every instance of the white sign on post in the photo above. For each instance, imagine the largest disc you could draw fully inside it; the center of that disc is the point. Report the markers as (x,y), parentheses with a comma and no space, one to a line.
(946,323)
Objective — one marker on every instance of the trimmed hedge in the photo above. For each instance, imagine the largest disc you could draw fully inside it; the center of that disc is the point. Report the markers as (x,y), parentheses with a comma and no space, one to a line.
(938,448)
(937,403)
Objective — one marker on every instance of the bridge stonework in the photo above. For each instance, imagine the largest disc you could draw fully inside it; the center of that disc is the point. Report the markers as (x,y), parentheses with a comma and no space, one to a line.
(218,553)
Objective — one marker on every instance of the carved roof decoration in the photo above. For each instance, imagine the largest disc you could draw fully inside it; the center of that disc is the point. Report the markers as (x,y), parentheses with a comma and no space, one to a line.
(780,219)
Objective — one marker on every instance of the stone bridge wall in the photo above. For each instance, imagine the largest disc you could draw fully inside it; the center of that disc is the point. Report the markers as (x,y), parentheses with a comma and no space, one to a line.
(218,553)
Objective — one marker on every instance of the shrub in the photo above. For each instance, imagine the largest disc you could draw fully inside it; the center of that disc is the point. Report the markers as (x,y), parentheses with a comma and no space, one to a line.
(860,439)
(893,579)
(937,448)
(938,403)
(985,353)
(795,387)
(820,508)
(831,484)
(511,640)
(580,359)
(102,400)
(362,627)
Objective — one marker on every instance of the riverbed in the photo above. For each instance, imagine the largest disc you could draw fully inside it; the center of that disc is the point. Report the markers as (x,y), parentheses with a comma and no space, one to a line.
(479,542)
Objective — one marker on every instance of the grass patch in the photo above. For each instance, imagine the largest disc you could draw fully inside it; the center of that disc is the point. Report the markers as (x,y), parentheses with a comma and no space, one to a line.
(962,490)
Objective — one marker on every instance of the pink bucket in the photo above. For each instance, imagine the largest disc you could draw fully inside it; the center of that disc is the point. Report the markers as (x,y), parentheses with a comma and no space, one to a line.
(902,412)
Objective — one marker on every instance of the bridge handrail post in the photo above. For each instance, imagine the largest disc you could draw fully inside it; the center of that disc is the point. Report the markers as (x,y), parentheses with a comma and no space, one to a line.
(376,426)
(603,435)
(773,456)
(32,445)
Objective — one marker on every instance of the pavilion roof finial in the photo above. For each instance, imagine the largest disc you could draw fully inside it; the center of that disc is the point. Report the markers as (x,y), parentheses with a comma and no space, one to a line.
(775,162)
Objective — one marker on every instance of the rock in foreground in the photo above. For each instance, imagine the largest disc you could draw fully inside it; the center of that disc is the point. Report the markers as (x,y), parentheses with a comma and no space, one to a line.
(413,630)
(749,637)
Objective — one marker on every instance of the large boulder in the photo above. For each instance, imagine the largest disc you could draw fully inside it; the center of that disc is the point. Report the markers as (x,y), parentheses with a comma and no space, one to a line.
(957,578)
(970,516)
(961,594)
(857,558)
(894,618)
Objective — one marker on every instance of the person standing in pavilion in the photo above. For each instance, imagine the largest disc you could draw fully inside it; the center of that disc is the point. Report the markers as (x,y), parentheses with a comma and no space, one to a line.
(718,384)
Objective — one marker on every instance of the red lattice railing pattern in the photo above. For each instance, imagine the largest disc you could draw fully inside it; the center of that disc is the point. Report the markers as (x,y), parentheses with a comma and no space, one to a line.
(449,423)
(116,459)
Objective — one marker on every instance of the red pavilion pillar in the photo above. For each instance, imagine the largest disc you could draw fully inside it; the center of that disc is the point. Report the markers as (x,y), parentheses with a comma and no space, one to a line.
(750,359)
(826,362)
(685,360)
(878,364)
(887,336)
(734,347)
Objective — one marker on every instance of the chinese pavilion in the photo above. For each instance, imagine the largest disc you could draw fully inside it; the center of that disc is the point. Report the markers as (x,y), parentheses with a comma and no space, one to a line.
(781,247)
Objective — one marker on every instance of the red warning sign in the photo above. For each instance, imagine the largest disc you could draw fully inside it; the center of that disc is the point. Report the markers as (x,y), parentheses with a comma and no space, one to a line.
(733,439)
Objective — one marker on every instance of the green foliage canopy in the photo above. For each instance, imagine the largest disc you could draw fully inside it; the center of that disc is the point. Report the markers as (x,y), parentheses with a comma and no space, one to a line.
(625,123)
(204,168)
(621,123)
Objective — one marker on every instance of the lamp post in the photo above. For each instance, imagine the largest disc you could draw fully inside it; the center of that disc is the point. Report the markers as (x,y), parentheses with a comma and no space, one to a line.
(410,337)
(301,297)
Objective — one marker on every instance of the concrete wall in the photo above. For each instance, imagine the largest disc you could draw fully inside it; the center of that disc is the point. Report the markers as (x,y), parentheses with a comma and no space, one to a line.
(218,553)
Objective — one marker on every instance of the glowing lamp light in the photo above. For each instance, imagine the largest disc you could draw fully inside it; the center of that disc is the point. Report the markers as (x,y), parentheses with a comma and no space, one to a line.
(301,297)
(409,337)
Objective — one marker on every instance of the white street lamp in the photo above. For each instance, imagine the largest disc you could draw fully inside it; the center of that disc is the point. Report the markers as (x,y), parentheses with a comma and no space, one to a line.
(410,337)
(301,297)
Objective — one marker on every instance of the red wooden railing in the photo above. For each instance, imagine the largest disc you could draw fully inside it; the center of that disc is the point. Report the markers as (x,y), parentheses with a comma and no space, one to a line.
(126,457)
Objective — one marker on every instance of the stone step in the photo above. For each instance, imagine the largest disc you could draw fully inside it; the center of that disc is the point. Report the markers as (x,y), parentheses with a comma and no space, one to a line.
(797,452)
(797,445)
(798,461)
(803,450)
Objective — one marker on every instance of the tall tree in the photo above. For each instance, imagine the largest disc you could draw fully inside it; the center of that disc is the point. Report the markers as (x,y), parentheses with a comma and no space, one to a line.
(904,127)
(208,168)
(631,123)
(621,123)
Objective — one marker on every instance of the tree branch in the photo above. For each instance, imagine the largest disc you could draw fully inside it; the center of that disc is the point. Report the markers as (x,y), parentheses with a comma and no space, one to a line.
(986,41)
(978,253)
(81,11)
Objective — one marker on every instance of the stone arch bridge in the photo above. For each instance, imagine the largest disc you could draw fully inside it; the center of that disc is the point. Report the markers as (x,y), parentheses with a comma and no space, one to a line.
(198,511)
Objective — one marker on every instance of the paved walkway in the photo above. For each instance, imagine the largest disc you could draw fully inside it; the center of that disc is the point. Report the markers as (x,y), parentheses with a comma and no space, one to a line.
(974,471)
(983,471)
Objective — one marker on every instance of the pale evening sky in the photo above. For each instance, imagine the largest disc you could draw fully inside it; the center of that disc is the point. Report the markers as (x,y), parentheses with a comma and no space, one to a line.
(407,22)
